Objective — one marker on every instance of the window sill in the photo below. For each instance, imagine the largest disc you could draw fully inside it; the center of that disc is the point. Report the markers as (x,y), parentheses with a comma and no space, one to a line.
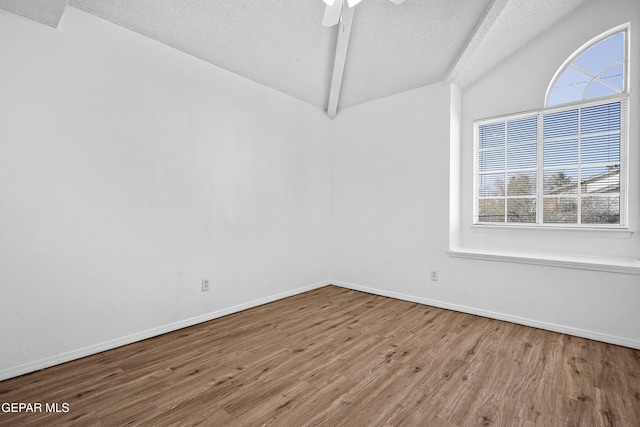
(615,233)
(609,265)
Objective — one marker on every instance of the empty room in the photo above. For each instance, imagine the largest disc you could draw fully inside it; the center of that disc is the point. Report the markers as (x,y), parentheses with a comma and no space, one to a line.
(320,213)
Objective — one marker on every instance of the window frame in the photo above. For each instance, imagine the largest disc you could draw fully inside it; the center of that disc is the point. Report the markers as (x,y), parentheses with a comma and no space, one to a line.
(624,28)
(539,196)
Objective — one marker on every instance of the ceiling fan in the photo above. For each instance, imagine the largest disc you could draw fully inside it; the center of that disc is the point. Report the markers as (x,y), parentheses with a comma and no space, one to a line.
(333,11)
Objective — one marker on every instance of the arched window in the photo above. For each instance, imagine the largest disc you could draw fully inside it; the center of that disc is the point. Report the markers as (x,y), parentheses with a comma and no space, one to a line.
(598,69)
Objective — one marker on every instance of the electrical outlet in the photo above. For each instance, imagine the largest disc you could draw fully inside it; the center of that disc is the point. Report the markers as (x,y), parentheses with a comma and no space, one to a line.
(205,285)
(434,275)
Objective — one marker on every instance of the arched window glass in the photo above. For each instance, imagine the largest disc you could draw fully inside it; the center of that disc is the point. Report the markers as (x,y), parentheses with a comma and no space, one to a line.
(596,70)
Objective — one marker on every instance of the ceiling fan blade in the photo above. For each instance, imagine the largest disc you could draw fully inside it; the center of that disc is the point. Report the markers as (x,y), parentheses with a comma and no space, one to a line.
(353,2)
(332,14)
(397,1)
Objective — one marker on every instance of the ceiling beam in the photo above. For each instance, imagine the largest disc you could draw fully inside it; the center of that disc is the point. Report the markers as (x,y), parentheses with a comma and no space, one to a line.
(485,23)
(342,46)
(48,12)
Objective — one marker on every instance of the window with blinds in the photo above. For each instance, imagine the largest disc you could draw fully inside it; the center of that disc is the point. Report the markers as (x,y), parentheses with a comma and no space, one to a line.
(508,170)
(567,165)
(581,165)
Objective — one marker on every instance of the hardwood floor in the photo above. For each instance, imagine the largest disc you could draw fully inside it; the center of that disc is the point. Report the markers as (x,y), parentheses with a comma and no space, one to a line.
(337,357)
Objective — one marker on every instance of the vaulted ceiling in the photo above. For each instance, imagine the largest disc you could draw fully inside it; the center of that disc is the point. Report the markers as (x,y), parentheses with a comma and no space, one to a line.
(281,43)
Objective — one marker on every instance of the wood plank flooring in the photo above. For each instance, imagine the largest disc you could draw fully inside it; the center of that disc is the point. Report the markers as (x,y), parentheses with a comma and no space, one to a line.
(337,357)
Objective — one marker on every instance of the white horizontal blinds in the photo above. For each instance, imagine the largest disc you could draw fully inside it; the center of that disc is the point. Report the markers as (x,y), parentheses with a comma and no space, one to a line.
(601,159)
(491,172)
(560,161)
(522,157)
(506,181)
(582,160)
(582,167)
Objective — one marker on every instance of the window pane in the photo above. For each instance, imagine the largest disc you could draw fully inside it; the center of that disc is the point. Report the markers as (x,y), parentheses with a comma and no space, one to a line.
(491,160)
(600,118)
(601,210)
(569,87)
(561,124)
(522,156)
(522,210)
(601,55)
(605,179)
(522,130)
(614,76)
(563,181)
(561,153)
(521,184)
(491,210)
(491,185)
(604,61)
(600,149)
(560,210)
(492,135)
(597,89)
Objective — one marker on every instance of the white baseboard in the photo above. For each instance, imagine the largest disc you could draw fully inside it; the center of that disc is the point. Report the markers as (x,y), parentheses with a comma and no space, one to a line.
(597,336)
(119,342)
(108,345)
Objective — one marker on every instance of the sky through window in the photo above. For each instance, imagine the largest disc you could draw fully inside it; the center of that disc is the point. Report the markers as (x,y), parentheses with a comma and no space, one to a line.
(596,72)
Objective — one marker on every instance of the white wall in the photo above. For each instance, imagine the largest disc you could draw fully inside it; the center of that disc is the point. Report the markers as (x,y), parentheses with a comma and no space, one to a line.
(128,172)
(391,199)
(390,190)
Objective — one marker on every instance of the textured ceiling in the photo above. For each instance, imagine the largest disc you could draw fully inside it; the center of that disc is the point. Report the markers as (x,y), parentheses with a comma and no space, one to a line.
(394,48)
(501,34)
(47,12)
(281,43)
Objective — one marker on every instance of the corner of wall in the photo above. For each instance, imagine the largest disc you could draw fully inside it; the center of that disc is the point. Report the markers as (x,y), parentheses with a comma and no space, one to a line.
(455,147)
